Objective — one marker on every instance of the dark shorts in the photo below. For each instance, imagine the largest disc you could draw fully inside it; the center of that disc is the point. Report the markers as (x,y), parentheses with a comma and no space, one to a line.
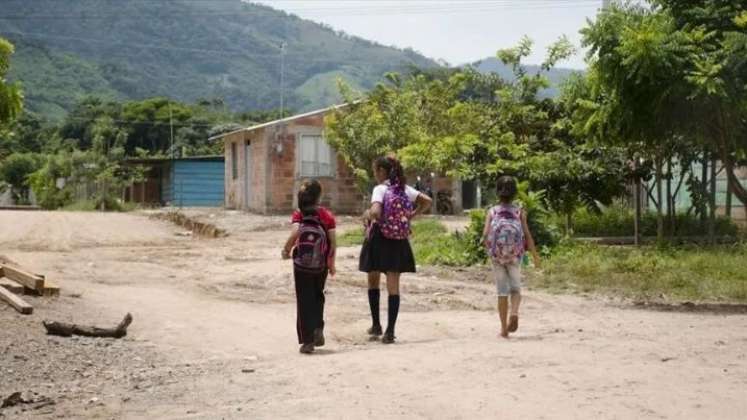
(386,255)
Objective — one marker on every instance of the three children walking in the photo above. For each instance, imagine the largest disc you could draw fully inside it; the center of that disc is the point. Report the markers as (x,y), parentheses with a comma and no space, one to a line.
(386,250)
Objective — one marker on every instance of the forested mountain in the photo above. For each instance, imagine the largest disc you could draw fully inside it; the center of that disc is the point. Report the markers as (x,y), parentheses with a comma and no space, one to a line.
(556,75)
(184,49)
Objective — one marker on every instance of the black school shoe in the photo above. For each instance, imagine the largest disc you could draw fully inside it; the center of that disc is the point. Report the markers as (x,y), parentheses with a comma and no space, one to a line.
(318,337)
(388,338)
(307,348)
(375,330)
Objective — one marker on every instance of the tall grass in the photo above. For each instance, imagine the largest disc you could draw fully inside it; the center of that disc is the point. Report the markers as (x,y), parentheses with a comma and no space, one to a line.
(683,273)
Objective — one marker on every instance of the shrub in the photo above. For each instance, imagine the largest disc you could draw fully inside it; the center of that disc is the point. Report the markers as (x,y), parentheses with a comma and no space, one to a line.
(617,220)
(44,182)
(15,171)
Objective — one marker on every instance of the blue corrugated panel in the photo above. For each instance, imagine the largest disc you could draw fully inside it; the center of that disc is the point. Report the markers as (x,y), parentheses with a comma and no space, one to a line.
(198,183)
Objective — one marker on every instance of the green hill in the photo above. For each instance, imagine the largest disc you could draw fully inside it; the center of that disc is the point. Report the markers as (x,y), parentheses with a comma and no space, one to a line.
(184,49)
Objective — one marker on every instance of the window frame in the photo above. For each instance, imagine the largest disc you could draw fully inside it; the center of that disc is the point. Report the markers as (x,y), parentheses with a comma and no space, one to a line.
(319,140)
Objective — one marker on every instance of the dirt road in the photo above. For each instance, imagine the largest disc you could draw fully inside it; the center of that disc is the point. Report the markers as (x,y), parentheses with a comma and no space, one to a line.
(213,337)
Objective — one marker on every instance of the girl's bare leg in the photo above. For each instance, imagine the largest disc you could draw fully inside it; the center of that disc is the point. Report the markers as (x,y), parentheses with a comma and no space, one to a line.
(503,315)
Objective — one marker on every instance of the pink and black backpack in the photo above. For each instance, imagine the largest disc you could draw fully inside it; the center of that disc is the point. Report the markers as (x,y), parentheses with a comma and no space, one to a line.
(396,214)
(312,247)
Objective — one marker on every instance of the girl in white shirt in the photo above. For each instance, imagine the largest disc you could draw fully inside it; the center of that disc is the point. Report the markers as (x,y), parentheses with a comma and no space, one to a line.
(383,255)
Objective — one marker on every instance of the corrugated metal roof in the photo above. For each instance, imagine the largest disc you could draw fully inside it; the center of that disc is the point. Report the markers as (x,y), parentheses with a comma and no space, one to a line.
(282,120)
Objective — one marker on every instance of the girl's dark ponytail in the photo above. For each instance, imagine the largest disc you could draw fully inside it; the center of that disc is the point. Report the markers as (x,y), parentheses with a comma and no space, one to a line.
(308,197)
(393,168)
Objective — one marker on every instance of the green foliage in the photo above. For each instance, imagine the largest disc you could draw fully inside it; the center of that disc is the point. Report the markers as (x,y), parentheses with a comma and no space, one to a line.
(476,127)
(670,80)
(617,220)
(226,49)
(11,99)
(688,273)
(101,167)
(44,181)
(15,171)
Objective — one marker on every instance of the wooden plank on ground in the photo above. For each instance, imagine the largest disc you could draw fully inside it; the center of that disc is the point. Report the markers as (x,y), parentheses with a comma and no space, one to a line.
(17,303)
(50,290)
(32,281)
(11,286)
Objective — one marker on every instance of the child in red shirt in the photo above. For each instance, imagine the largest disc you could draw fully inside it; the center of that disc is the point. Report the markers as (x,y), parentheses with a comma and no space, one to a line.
(310,270)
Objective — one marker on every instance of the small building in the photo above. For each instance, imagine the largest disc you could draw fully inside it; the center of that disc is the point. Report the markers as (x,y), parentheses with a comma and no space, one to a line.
(182,182)
(265,164)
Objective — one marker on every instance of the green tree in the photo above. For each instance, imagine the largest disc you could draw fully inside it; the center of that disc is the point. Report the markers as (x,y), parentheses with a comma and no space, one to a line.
(365,129)
(668,81)
(11,99)
(15,171)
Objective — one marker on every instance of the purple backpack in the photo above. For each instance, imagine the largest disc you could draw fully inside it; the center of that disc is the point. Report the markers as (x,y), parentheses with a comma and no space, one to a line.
(506,235)
(312,246)
(396,214)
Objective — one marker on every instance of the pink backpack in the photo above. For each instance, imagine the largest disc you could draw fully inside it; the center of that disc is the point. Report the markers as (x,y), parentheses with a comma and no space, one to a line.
(396,214)
(506,235)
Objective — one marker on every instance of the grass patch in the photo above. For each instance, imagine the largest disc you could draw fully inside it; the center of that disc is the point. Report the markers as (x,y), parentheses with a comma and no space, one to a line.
(431,243)
(93,205)
(685,273)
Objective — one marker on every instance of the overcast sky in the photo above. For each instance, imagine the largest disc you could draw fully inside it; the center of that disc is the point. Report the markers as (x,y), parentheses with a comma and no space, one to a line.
(453,30)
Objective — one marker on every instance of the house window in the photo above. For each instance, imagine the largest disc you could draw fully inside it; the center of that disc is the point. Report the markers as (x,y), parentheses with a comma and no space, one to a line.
(234,161)
(315,157)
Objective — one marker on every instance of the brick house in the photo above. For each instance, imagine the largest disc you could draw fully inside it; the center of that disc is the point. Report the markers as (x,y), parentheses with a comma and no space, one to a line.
(265,163)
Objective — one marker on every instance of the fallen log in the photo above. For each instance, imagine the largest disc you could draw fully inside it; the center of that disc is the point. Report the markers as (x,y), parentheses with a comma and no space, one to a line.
(66,330)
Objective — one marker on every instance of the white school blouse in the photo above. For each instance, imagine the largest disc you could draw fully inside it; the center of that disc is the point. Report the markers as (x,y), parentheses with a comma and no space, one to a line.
(378,193)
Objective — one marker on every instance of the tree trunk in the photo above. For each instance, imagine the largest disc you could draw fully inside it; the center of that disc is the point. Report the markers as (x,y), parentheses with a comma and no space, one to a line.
(670,214)
(728,200)
(712,203)
(569,224)
(659,204)
(637,217)
(727,160)
(703,185)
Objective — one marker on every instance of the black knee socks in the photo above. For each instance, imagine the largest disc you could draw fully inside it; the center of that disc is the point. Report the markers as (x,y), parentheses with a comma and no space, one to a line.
(374,295)
(393,310)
